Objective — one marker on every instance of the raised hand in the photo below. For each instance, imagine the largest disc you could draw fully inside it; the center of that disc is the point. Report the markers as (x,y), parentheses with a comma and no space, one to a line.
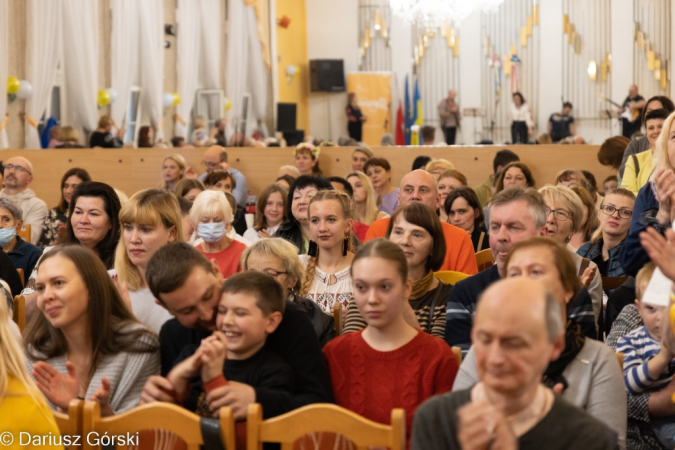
(213,353)
(59,388)
(102,395)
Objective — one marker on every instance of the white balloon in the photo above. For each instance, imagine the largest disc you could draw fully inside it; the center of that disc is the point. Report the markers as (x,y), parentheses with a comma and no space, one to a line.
(291,70)
(25,90)
(113,94)
(167,99)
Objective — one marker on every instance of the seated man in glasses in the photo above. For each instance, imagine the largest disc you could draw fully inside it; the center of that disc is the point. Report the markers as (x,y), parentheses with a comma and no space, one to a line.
(215,159)
(18,175)
(605,244)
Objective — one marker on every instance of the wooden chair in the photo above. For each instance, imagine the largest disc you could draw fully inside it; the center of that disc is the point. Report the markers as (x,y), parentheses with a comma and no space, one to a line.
(450,276)
(19,314)
(167,417)
(612,282)
(458,354)
(323,417)
(71,423)
(337,318)
(484,259)
(20,272)
(25,233)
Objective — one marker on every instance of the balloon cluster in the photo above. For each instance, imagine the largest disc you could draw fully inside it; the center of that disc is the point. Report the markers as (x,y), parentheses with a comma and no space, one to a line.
(22,89)
(170,99)
(106,96)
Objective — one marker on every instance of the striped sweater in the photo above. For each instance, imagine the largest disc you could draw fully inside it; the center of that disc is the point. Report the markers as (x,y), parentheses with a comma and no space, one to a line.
(638,347)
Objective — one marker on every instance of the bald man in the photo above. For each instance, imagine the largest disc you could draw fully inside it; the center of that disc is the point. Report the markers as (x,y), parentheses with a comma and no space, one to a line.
(18,175)
(421,186)
(215,159)
(518,331)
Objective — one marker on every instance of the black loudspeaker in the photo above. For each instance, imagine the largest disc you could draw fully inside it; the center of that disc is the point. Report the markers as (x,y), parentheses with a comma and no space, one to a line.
(294,137)
(286,113)
(327,75)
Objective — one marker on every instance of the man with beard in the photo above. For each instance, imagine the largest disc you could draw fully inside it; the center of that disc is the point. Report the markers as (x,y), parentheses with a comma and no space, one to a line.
(18,175)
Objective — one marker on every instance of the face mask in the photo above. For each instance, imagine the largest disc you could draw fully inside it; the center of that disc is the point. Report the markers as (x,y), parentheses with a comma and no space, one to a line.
(211,232)
(6,235)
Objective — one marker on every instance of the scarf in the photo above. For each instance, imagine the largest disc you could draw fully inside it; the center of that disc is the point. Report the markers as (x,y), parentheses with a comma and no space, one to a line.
(421,286)
(574,342)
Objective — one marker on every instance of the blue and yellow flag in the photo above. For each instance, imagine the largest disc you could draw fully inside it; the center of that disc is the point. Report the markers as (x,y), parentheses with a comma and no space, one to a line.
(417,118)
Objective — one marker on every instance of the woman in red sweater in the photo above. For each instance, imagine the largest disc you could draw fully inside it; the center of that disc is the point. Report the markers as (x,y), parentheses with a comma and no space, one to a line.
(389,364)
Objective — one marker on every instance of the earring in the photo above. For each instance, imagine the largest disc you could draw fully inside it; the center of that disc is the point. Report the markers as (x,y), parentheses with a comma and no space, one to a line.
(345,246)
(313,249)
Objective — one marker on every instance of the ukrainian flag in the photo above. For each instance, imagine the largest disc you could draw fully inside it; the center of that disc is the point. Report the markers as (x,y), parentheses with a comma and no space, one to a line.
(417,118)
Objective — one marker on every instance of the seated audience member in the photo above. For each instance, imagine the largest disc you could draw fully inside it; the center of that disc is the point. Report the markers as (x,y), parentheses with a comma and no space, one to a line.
(306,159)
(187,285)
(514,174)
(365,202)
(178,141)
(296,228)
(328,260)
(564,213)
(10,277)
(173,170)
(611,152)
(56,219)
(54,136)
(379,172)
(571,177)
(289,170)
(150,219)
(387,140)
(465,212)
(448,181)
(188,229)
(515,215)
(437,166)
(360,156)
(589,218)
(603,249)
(609,184)
(218,132)
(420,186)
(590,386)
(18,175)
(215,160)
(22,406)
(639,167)
(342,185)
(361,364)
(279,259)
(285,181)
(543,139)
(270,213)
(211,215)
(23,254)
(653,203)
(420,162)
(641,143)
(189,189)
(428,134)
(200,133)
(592,186)
(103,137)
(69,138)
(239,225)
(220,181)
(146,137)
(417,230)
(502,158)
(80,303)
(518,335)
(629,319)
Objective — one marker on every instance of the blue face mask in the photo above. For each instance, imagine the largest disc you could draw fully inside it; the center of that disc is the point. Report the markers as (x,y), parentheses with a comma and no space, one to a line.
(6,235)
(211,232)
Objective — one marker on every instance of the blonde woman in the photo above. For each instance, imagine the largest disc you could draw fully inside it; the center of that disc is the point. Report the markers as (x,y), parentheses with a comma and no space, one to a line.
(22,406)
(150,219)
(173,170)
(365,200)
(437,166)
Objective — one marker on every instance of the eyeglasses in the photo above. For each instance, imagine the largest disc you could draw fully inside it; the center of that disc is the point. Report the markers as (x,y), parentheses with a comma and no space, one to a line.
(19,169)
(610,210)
(559,214)
(209,164)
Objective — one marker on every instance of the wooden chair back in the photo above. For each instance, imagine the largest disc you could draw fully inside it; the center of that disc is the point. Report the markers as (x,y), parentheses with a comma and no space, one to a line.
(19,313)
(21,276)
(323,417)
(450,276)
(177,422)
(612,282)
(337,318)
(458,355)
(70,423)
(25,233)
(484,259)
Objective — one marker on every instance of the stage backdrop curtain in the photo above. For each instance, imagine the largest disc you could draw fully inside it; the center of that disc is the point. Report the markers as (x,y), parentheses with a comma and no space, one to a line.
(80,60)
(124,54)
(187,66)
(151,60)
(4,63)
(210,17)
(42,58)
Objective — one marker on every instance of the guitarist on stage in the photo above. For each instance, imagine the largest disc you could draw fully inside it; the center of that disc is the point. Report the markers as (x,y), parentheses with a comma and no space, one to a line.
(632,112)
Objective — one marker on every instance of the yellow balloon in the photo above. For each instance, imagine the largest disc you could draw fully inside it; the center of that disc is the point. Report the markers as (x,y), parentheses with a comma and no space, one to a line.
(228,105)
(176,99)
(12,85)
(103,97)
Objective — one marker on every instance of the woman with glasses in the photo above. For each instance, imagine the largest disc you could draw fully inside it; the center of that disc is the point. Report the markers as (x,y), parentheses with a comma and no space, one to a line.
(615,213)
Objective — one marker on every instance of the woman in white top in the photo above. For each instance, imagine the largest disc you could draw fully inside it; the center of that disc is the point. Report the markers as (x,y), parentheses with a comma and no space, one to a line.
(270,213)
(327,279)
(521,125)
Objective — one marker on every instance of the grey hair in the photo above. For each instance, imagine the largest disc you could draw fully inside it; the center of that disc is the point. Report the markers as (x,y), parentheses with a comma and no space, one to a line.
(554,323)
(282,249)
(14,210)
(535,201)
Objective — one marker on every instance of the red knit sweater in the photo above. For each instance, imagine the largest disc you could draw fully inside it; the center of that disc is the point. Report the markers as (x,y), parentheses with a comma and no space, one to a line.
(372,383)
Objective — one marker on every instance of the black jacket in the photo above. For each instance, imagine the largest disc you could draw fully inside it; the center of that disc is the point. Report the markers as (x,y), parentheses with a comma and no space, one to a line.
(323,324)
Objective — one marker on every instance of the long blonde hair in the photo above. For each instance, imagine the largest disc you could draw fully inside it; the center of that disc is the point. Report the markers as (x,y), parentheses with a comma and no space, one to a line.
(182,165)
(661,158)
(371,199)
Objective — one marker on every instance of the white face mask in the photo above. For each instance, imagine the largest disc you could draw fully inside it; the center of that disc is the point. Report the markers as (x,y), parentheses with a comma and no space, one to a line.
(211,232)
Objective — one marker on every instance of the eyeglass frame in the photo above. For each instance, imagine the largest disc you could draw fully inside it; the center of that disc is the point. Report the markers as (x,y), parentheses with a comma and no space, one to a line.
(565,215)
(18,168)
(622,210)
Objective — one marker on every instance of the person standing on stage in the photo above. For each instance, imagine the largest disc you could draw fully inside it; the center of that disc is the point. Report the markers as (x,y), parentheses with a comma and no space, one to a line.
(522,123)
(633,105)
(448,112)
(355,117)
(561,125)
